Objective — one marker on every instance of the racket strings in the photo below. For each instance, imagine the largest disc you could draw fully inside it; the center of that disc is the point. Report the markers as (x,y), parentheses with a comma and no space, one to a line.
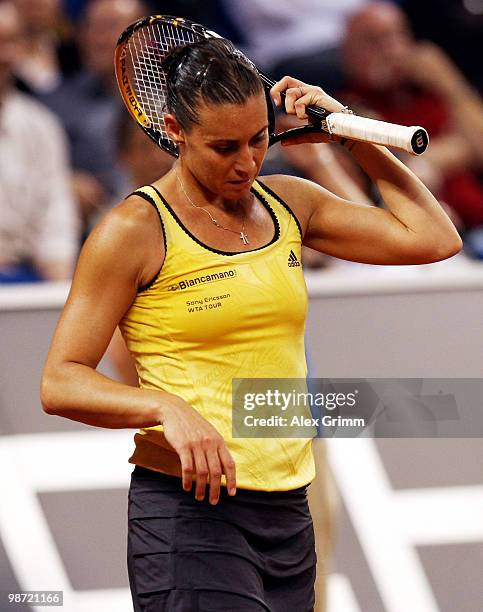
(147,49)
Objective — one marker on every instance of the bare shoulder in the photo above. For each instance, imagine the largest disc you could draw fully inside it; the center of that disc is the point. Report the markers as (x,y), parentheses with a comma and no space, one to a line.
(132,215)
(300,195)
(129,237)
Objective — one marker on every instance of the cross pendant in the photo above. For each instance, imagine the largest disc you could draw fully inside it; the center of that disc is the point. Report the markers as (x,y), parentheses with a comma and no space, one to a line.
(244,238)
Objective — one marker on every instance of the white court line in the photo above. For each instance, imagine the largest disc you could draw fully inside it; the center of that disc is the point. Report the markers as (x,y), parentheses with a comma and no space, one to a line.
(57,462)
(389,523)
(340,596)
(449,515)
(25,534)
(369,498)
(96,459)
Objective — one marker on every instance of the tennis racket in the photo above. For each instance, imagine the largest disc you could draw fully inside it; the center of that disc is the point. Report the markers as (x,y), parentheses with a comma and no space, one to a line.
(139,55)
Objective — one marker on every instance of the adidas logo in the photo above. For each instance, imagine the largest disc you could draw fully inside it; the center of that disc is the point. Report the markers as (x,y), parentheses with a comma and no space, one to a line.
(293,262)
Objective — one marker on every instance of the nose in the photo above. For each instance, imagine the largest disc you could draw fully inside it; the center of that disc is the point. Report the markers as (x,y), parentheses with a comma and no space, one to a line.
(246,162)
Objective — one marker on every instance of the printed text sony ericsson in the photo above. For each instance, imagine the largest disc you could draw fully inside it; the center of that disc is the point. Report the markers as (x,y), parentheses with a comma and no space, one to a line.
(206,303)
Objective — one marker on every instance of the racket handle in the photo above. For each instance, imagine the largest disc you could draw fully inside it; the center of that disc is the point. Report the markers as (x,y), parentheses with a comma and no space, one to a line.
(413,139)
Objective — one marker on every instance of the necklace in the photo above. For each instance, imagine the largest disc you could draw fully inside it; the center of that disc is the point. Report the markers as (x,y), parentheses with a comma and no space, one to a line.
(243,236)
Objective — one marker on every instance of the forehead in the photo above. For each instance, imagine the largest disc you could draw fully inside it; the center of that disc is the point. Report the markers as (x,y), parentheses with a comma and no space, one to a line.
(232,121)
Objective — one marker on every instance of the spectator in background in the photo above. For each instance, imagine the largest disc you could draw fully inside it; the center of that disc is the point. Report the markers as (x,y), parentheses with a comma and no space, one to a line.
(455,25)
(141,160)
(296,37)
(89,105)
(48,54)
(38,237)
(415,83)
(190,9)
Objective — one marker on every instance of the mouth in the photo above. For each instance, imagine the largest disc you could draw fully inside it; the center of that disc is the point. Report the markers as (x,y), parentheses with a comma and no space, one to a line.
(241,183)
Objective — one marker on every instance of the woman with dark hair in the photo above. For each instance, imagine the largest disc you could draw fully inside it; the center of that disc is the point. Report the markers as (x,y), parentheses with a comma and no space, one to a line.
(202,272)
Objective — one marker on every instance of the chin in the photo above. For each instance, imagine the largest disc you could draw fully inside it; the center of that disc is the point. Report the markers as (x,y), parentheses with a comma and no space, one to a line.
(238,194)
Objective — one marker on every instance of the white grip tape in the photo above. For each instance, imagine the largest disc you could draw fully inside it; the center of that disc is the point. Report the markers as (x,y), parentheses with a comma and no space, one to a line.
(371,130)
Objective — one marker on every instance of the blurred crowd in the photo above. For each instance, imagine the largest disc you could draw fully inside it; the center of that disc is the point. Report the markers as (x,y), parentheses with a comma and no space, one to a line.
(69,151)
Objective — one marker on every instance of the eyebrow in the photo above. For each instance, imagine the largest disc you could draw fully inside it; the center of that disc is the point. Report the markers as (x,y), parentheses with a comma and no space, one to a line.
(228,140)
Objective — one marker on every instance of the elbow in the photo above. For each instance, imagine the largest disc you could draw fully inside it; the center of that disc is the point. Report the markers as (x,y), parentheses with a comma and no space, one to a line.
(448,248)
(48,395)
(457,246)
(432,250)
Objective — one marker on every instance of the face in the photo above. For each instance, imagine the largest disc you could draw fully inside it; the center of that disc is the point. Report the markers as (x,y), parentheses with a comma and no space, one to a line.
(103,23)
(378,43)
(226,150)
(39,15)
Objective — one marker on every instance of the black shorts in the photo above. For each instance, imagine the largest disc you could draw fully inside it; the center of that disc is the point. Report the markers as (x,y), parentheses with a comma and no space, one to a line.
(254,552)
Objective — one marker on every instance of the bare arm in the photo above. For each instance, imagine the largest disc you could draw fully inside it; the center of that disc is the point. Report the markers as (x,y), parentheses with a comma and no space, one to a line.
(109,270)
(413,229)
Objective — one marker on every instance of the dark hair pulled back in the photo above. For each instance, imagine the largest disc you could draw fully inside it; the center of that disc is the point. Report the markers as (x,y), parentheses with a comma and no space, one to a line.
(211,71)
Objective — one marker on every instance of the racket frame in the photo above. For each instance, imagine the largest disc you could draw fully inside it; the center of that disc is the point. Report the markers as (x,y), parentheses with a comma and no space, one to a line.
(135,107)
(317,115)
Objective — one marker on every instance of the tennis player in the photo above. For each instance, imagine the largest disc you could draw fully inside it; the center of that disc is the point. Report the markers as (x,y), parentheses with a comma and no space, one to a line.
(201,271)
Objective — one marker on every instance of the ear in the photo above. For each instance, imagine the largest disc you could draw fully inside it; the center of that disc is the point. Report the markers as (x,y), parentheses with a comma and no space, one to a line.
(173,128)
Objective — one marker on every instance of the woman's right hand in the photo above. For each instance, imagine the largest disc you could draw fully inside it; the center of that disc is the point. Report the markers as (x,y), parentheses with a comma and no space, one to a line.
(201,449)
(299,95)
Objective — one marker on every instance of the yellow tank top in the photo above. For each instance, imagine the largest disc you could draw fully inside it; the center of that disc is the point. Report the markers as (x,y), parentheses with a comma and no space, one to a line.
(211,316)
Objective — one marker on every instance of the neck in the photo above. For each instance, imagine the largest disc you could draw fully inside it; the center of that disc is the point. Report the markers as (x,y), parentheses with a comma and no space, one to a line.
(222,222)
(197,195)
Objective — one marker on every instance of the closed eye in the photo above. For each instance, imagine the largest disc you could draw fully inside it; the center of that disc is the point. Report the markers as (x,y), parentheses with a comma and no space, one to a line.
(260,137)
(233,146)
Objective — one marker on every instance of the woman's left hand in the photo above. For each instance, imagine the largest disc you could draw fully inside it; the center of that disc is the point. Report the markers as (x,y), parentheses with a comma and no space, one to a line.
(299,95)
